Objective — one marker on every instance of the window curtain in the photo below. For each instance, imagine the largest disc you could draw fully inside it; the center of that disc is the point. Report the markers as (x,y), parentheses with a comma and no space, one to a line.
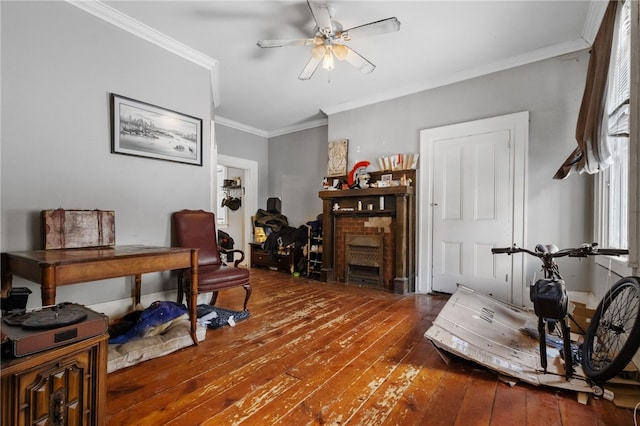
(592,151)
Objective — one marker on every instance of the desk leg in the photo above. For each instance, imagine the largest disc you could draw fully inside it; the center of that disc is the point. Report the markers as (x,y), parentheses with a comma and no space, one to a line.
(193,295)
(7,277)
(48,287)
(138,288)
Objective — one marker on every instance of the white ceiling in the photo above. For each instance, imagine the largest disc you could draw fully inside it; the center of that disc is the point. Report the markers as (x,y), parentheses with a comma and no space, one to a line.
(439,42)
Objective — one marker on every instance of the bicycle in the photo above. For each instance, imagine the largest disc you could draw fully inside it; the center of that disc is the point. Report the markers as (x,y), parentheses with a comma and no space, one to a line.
(613,335)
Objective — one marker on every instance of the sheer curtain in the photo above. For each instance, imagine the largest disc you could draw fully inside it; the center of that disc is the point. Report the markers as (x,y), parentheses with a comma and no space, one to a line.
(593,152)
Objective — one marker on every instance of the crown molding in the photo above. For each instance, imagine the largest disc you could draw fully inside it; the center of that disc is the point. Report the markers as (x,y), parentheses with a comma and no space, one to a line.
(516,61)
(137,28)
(265,134)
(595,13)
(240,126)
(143,31)
(299,127)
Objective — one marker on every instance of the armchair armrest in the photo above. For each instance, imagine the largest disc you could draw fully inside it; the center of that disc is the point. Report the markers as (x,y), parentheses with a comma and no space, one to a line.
(236,262)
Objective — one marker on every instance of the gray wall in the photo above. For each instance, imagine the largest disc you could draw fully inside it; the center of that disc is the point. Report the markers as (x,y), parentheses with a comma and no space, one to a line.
(550,90)
(297,165)
(59,65)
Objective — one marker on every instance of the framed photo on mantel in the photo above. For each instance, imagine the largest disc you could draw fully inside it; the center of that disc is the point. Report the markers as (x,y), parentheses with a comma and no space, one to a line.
(337,164)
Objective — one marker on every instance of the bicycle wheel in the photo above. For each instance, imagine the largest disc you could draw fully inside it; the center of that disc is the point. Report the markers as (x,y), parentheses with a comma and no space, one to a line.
(613,336)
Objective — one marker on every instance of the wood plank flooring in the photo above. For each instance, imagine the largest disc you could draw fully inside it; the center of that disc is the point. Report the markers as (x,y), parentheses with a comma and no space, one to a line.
(317,353)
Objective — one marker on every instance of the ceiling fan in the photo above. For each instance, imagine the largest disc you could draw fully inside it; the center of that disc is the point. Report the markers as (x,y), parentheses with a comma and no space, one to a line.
(330,38)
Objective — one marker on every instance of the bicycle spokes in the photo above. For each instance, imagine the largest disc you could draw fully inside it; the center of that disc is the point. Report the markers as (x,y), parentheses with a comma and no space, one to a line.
(612,338)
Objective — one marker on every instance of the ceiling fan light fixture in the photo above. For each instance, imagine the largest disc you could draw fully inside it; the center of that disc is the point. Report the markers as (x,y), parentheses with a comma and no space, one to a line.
(318,51)
(340,51)
(327,61)
(329,37)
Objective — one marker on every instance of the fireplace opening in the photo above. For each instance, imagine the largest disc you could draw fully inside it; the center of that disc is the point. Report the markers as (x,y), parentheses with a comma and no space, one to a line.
(364,260)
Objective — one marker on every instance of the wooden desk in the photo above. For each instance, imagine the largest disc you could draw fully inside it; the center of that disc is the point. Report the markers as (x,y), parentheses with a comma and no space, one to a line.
(53,268)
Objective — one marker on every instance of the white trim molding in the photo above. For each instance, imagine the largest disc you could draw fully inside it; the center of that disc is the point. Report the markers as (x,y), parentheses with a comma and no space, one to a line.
(634,142)
(265,134)
(145,32)
(516,61)
(250,198)
(241,126)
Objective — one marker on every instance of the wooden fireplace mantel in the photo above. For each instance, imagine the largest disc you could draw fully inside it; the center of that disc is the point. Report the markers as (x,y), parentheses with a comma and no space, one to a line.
(398,203)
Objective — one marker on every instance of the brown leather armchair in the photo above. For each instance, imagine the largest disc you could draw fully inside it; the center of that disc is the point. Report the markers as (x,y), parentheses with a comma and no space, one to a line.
(197,229)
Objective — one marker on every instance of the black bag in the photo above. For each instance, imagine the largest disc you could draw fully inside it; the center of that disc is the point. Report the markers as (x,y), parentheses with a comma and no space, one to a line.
(224,240)
(549,297)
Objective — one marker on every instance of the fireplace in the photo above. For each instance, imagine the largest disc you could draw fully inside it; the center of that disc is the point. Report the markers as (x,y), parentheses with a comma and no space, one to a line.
(364,260)
(387,213)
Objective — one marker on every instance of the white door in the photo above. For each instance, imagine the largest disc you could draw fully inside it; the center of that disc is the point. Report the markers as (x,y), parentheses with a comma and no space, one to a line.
(471,213)
(474,202)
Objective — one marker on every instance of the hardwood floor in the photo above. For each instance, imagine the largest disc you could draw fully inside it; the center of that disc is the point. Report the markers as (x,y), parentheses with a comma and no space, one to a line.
(317,353)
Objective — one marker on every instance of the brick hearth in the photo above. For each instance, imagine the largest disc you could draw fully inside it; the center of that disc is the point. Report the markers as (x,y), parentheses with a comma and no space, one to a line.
(365,226)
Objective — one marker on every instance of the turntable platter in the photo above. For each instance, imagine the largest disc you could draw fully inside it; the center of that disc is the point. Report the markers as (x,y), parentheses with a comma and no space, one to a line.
(53,318)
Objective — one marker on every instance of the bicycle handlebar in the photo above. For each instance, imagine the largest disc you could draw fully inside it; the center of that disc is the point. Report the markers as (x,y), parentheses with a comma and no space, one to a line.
(613,252)
(584,251)
(507,250)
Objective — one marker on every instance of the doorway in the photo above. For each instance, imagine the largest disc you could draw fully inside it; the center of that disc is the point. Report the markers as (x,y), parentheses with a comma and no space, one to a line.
(240,219)
(472,198)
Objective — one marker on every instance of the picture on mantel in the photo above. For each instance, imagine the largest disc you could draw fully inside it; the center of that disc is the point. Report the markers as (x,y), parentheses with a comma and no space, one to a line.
(337,164)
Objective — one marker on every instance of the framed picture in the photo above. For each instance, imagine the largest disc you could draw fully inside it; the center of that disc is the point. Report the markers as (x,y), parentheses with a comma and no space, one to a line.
(145,130)
(386,178)
(337,164)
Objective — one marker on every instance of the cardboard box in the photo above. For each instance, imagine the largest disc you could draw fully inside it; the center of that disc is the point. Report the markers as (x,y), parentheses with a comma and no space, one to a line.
(63,229)
(490,332)
(582,315)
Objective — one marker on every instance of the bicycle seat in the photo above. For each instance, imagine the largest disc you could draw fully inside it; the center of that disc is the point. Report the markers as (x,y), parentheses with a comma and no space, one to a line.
(548,248)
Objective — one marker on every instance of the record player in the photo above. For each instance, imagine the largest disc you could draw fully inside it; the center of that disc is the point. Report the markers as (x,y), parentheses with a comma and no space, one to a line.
(24,333)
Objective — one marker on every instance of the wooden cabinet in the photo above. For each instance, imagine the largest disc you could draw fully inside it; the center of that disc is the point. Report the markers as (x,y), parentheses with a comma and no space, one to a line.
(282,260)
(62,386)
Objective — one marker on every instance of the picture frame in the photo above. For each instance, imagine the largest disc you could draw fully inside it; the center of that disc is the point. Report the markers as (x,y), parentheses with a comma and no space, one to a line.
(338,156)
(144,130)
(387,177)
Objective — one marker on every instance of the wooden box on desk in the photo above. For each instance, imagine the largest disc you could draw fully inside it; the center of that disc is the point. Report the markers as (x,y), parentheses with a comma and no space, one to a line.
(63,229)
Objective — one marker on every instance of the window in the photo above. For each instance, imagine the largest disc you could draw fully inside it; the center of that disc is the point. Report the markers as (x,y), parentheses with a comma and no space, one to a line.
(221,215)
(612,188)
(612,198)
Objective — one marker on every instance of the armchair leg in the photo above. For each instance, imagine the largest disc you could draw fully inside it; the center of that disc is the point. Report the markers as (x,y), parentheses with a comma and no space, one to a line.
(214,297)
(180,287)
(247,288)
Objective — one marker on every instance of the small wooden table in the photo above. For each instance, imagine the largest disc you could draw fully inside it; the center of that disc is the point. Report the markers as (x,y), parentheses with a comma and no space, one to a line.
(53,268)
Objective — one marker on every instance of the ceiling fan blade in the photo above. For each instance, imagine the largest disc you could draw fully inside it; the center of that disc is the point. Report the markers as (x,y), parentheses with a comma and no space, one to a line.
(372,28)
(289,42)
(310,68)
(322,16)
(359,61)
